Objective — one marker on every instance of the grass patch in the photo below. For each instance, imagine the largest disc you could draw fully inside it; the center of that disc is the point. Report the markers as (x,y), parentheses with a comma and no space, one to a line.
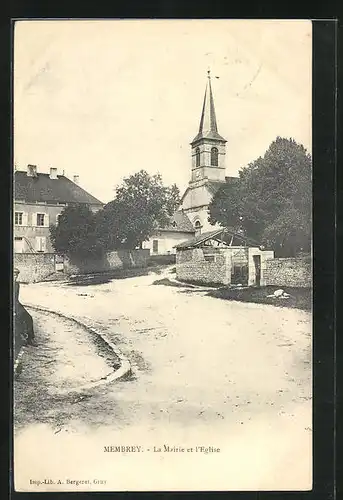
(167,282)
(300,298)
(196,283)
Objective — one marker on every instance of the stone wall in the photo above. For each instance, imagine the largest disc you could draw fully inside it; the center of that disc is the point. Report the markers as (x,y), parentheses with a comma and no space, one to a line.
(119,259)
(294,272)
(203,266)
(34,266)
(38,266)
(155,260)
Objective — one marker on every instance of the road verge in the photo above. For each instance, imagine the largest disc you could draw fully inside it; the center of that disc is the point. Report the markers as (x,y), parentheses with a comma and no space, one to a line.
(123,372)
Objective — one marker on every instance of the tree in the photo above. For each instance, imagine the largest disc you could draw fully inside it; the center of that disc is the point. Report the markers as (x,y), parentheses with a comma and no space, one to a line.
(75,233)
(172,199)
(271,199)
(142,204)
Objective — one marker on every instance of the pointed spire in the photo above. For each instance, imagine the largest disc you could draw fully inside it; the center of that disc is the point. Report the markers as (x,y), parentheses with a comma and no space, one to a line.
(208,122)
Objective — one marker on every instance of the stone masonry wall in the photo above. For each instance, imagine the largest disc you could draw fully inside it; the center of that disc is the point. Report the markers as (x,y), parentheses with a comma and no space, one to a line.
(203,267)
(38,266)
(294,272)
(34,266)
(118,259)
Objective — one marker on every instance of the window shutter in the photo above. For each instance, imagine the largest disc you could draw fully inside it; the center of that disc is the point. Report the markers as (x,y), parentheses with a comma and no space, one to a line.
(46,220)
(37,243)
(34,219)
(43,244)
(25,219)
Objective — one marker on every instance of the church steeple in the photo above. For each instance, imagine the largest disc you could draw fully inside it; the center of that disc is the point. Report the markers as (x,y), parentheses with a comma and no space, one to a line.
(208,128)
(208,147)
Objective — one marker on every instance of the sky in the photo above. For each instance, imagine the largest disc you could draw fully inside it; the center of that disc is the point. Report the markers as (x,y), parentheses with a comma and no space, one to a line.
(103,99)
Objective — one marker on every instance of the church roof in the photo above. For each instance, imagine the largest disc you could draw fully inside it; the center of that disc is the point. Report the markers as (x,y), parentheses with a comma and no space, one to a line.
(208,122)
(212,186)
(179,223)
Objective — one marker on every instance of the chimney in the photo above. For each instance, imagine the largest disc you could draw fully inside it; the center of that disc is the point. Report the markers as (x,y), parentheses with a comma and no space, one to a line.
(32,170)
(76,179)
(53,173)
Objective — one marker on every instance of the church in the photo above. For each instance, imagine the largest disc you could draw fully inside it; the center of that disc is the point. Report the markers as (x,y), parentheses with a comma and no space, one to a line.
(208,150)
(208,166)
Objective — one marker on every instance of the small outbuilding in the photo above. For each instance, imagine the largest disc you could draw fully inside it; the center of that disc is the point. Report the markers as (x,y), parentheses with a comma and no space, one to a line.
(165,240)
(222,256)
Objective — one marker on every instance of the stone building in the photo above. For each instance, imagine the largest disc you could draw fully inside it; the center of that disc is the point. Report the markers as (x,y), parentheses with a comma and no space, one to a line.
(223,256)
(39,199)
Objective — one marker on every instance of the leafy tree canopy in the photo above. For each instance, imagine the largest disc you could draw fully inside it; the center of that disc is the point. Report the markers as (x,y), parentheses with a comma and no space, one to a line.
(271,199)
(142,204)
(75,234)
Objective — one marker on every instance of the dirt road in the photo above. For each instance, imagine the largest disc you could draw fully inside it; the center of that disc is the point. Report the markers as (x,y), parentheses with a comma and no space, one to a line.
(234,376)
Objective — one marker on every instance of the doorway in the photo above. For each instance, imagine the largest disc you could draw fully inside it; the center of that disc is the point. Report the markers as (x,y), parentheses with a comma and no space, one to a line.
(239,274)
(257,262)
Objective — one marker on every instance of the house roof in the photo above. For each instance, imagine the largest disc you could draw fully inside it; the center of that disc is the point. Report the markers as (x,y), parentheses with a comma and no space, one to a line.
(43,189)
(180,223)
(222,234)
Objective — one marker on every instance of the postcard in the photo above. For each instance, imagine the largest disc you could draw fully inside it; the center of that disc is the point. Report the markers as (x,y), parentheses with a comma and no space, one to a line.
(162,255)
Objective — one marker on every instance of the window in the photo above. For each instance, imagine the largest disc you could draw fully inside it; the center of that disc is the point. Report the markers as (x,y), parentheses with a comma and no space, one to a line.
(40,243)
(58,219)
(155,246)
(18,245)
(197,157)
(18,218)
(40,219)
(197,226)
(214,157)
(174,224)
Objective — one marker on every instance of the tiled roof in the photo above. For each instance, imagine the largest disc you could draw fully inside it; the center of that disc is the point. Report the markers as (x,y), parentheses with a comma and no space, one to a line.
(197,240)
(224,233)
(230,178)
(213,186)
(180,223)
(43,189)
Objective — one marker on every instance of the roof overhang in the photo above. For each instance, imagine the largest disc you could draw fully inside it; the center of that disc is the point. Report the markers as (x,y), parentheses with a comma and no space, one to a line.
(222,235)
